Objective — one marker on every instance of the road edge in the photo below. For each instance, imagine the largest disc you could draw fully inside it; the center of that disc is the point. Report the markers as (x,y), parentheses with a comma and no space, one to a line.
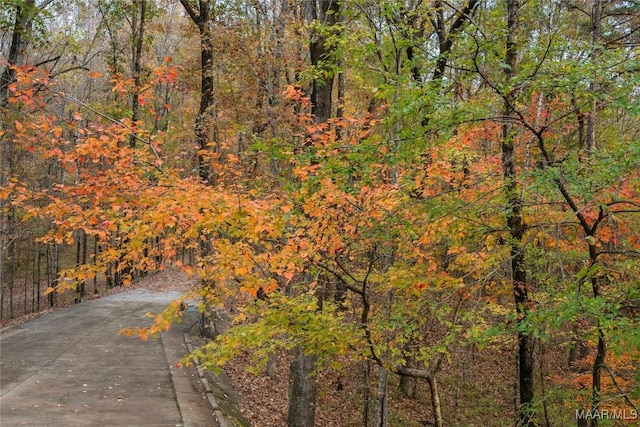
(217,412)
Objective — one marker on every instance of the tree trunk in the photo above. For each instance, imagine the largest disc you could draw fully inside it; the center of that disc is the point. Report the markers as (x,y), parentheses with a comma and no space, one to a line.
(202,127)
(21,28)
(272,367)
(201,18)
(52,271)
(38,276)
(366,396)
(3,245)
(25,278)
(380,408)
(302,390)
(96,247)
(408,384)
(515,224)
(302,379)
(596,17)
(601,348)
(435,401)
(320,51)
(138,37)
(591,146)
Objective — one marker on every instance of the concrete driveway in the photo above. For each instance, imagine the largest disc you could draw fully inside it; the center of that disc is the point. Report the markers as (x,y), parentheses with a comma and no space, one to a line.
(71,368)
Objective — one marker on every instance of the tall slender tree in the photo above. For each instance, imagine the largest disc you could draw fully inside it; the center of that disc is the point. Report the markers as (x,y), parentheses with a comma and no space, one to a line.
(200,13)
(138,31)
(515,222)
(324,18)
(24,12)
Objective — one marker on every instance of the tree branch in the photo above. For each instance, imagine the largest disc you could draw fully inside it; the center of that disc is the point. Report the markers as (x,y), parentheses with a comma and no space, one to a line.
(622,393)
(340,277)
(188,7)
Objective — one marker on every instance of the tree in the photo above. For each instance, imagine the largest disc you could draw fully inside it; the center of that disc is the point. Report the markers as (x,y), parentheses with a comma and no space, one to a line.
(200,14)
(323,16)
(138,27)
(515,224)
(531,82)
(24,14)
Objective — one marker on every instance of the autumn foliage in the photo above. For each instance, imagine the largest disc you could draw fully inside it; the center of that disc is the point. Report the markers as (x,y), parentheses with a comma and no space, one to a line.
(377,237)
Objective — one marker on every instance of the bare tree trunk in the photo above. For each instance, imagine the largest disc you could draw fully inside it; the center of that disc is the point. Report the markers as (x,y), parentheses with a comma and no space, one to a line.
(25,278)
(11,285)
(366,399)
(83,285)
(81,259)
(601,348)
(321,95)
(34,266)
(271,368)
(380,408)
(49,280)
(435,401)
(78,258)
(38,276)
(96,247)
(409,384)
(138,35)
(303,390)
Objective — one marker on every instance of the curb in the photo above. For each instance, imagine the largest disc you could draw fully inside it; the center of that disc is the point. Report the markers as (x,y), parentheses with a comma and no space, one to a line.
(217,412)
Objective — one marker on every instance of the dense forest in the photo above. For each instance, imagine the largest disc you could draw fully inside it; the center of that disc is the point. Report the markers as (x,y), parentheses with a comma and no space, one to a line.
(436,199)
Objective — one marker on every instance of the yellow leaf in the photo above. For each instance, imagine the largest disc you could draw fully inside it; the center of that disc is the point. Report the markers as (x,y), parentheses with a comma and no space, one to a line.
(49,290)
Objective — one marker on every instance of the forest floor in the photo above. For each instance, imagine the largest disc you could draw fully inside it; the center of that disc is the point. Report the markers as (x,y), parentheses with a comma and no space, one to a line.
(482,377)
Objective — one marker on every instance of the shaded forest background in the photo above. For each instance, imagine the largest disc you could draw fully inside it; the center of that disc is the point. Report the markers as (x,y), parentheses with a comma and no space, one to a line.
(429,199)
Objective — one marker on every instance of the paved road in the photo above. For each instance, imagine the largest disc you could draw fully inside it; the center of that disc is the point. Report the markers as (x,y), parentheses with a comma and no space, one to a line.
(71,368)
